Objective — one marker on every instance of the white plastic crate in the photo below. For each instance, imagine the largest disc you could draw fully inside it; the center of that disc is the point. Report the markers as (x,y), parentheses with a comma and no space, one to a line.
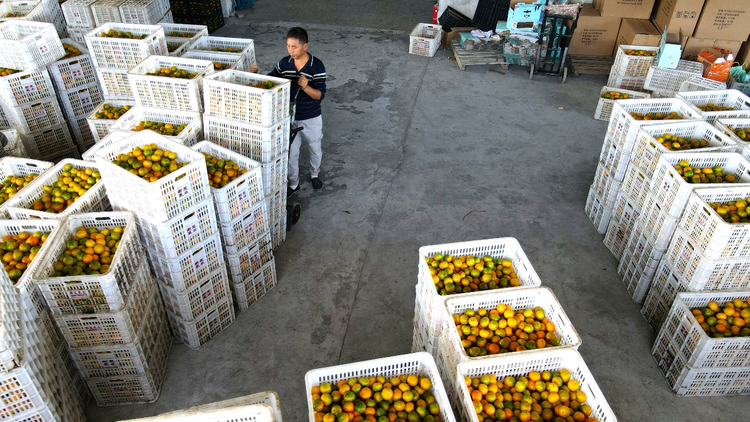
(239,407)
(29,45)
(245,229)
(724,124)
(506,248)
(278,231)
(73,72)
(199,331)
(597,212)
(102,127)
(36,116)
(605,186)
(519,365)
(726,98)
(172,195)
(85,294)
(107,141)
(276,204)
(682,334)
(604,107)
(623,128)
(670,80)
(190,135)
(108,328)
(31,10)
(240,195)
(702,273)
(638,264)
(657,225)
(115,84)
(26,87)
(194,31)
(624,216)
(199,298)
(227,95)
(450,342)
(24,391)
(636,184)
(259,143)
(275,173)
(699,83)
(51,144)
(636,283)
(167,18)
(251,289)
(144,12)
(196,264)
(20,167)
(11,334)
(244,47)
(625,82)
(672,191)
(419,364)
(81,132)
(4,124)
(177,46)
(126,359)
(106,11)
(423,339)
(80,101)
(169,93)
(249,261)
(424,39)
(614,158)
(228,60)
(633,65)
(647,150)
(708,232)
(95,199)
(78,34)
(664,288)
(689,381)
(78,13)
(124,53)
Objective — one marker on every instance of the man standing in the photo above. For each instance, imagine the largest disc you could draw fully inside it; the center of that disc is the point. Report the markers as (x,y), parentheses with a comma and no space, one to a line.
(308,74)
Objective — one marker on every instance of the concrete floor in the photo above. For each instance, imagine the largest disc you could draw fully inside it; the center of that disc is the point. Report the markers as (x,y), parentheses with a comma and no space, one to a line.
(412,145)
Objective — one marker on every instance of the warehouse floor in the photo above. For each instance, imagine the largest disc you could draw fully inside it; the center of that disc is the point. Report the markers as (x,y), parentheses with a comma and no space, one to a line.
(412,146)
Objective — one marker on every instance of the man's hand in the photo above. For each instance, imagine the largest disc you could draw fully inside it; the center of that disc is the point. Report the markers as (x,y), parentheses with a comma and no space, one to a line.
(302,82)
(254,68)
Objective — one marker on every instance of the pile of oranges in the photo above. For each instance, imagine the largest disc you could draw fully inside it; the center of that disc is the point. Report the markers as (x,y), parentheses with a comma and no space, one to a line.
(715,107)
(678,143)
(89,251)
(465,274)
(656,116)
(70,185)
(614,95)
(376,399)
(713,174)
(538,396)
(149,162)
(221,172)
(4,71)
(644,53)
(729,320)
(12,184)
(504,330)
(733,212)
(70,51)
(167,129)
(19,250)
(741,133)
(110,112)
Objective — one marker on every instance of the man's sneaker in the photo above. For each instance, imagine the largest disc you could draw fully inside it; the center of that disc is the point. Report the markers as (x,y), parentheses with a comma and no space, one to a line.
(317,183)
(290,191)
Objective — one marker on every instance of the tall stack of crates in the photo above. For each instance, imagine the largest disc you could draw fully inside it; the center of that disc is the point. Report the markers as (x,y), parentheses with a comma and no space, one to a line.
(250,118)
(208,13)
(77,89)
(79,18)
(631,66)
(177,222)
(113,323)
(243,222)
(39,11)
(35,383)
(114,57)
(146,12)
(27,95)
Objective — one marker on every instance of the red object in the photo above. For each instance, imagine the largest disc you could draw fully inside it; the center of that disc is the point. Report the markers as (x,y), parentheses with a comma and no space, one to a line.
(716,63)
(434,14)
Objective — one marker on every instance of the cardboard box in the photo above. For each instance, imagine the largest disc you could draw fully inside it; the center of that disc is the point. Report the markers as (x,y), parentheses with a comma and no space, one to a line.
(637,9)
(448,37)
(692,46)
(743,56)
(595,34)
(638,32)
(724,20)
(677,15)
(716,63)
(670,51)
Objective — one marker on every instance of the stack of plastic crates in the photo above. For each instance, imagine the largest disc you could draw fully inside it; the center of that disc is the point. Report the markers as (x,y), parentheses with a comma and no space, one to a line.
(430,314)
(254,122)
(113,324)
(667,83)
(177,223)
(626,119)
(244,227)
(630,68)
(195,12)
(79,18)
(169,93)
(114,57)
(78,91)
(706,253)
(39,11)
(694,363)
(225,53)
(28,96)
(145,12)
(36,384)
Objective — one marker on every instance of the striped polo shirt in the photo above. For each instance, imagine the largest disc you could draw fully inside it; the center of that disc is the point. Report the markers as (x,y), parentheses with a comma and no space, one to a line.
(315,72)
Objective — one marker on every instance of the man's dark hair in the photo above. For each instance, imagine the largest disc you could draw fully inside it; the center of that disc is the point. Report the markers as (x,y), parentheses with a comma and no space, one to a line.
(298,33)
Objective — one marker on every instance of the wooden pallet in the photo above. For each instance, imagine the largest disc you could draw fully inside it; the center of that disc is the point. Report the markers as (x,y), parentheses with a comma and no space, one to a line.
(591,65)
(471,57)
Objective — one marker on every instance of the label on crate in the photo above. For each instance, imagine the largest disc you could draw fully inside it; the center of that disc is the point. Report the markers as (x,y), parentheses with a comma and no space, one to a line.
(85,97)
(200,259)
(248,226)
(28,85)
(93,329)
(214,320)
(76,71)
(191,225)
(182,187)
(41,44)
(40,112)
(78,294)
(207,290)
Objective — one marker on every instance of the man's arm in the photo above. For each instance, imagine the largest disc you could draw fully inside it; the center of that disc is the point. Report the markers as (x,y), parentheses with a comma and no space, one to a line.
(315,94)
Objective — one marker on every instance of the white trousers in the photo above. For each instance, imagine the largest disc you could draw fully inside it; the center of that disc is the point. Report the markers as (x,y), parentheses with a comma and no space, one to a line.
(312,134)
